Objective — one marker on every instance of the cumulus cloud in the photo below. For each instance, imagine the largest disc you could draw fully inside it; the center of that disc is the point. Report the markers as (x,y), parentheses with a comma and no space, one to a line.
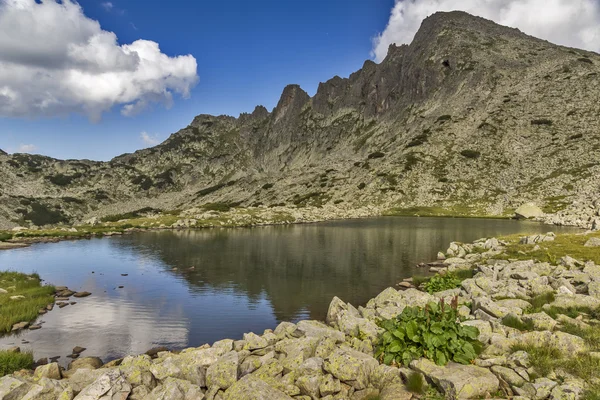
(149,140)
(26,148)
(54,61)
(574,23)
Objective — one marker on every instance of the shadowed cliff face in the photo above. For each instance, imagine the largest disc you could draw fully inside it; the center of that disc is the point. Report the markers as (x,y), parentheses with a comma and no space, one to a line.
(469,113)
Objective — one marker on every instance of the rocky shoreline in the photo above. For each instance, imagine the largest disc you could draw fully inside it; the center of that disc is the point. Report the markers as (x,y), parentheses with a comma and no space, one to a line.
(335,359)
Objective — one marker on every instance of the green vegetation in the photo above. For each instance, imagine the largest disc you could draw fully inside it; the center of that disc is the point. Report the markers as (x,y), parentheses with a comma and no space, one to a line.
(420,139)
(433,332)
(538,302)
(455,211)
(41,215)
(62,179)
(129,215)
(591,334)
(411,160)
(362,185)
(267,186)
(473,154)
(443,118)
(4,236)
(377,154)
(415,383)
(223,207)
(209,190)
(512,321)
(564,244)
(145,182)
(439,283)
(541,121)
(35,297)
(11,362)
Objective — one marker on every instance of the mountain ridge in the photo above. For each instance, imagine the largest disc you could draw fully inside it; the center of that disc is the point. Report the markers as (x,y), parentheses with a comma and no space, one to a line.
(469,113)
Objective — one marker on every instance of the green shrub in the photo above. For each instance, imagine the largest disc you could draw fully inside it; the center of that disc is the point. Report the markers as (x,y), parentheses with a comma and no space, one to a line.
(362,185)
(41,215)
(267,186)
(11,362)
(470,154)
(62,179)
(585,60)
(411,161)
(512,321)
(541,121)
(4,236)
(576,136)
(223,207)
(209,190)
(377,154)
(539,301)
(129,215)
(434,332)
(439,283)
(419,140)
(442,118)
(145,182)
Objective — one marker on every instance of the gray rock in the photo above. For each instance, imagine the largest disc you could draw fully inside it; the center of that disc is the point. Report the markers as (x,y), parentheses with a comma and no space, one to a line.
(396,391)
(223,373)
(528,210)
(508,375)
(329,386)
(457,381)
(593,242)
(540,321)
(110,385)
(320,330)
(51,371)
(252,388)
(254,341)
(351,367)
(12,388)
(49,389)
(85,363)
(176,389)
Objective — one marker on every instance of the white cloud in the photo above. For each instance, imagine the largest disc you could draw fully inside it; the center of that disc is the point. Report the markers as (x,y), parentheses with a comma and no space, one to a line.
(107,5)
(26,148)
(149,140)
(54,61)
(574,23)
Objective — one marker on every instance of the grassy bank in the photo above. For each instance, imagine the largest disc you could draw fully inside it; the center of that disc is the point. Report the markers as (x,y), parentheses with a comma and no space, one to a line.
(24,297)
(14,361)
(572,245)
(453,212)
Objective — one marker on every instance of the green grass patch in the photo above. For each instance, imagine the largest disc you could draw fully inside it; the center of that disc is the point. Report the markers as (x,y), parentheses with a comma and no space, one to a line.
(538,302)
(4,236)
(563,245)
(223,207)
(512,321)
(590,334)
(11,362)
(455,211)
(542,358)
(415,383)
(129,215)
(35,295)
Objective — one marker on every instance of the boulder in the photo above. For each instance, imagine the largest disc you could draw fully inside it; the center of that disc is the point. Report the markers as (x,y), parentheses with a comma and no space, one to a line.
(252,388)
(51,371)
(110,385)
(85,363)
(319,330)
(593,242)
(351,367)
(49,389)
(396,391)
(223,373)
(457,381)
(176,389)
(528,210)
(12,388)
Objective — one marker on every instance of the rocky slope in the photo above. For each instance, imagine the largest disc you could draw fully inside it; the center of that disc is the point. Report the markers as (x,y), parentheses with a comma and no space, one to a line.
(470,116)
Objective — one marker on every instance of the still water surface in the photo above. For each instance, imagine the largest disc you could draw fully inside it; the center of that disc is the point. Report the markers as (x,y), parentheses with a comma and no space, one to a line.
(243,279)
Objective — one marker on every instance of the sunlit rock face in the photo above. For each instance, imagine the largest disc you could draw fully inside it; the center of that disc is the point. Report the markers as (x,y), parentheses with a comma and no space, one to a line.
(470,113)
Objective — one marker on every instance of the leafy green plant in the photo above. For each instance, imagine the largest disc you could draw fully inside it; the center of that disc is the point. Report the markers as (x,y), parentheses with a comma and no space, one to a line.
(433,331)
(4,236)
(512,321)
(439,283)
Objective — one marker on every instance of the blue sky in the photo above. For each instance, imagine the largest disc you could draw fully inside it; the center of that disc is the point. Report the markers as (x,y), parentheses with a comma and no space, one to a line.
(246,52)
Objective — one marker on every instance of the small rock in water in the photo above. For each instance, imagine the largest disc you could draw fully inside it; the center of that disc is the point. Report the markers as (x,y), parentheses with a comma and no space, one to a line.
(124,274)
(53,359)
(74,355)
(14,349)
(42,311)
(62,304)
(41,361)
(405,285)
(82,294)
(60,288)
(24,341)
(35,327)
(62,299)
(73,303)
(93,272)
(121,287)
(153,352)
(19,326)
(78,349)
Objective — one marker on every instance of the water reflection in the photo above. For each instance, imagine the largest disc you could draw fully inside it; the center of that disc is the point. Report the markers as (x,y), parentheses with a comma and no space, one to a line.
(242,279)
